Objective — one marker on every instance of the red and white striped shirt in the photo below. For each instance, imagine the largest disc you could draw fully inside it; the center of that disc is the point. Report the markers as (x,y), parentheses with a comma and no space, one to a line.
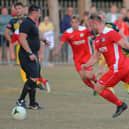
(106,43)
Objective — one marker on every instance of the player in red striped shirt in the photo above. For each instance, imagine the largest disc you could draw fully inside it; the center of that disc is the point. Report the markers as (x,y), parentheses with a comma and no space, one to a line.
(78,38)
(110,44)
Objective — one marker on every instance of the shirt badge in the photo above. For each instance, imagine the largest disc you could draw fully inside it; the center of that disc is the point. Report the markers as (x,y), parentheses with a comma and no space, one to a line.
(103,39)
(81,35)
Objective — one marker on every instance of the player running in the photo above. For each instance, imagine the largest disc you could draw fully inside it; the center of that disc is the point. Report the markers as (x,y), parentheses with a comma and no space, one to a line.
(114,27)
(110,44)
(77,36)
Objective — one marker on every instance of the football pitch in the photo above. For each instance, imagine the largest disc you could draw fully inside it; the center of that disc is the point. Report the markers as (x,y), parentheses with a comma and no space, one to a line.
(70,105)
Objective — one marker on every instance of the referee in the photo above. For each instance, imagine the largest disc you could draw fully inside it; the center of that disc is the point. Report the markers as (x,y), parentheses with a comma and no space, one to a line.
(28,55)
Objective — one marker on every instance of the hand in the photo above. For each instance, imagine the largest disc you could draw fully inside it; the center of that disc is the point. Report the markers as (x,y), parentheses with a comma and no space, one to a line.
(55,54)
(83,67)
(12,56)
(40,58)
(33,58)
(46,42)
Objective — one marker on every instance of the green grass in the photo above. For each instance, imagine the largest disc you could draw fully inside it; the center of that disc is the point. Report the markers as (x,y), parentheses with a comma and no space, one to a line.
(70,105)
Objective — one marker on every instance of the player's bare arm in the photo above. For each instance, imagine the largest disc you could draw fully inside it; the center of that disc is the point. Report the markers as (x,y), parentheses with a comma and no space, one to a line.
(43,41)
(123,43)
(58,49)
(7,36)
(93,60)
(24,44)
(123,36)
(41,52)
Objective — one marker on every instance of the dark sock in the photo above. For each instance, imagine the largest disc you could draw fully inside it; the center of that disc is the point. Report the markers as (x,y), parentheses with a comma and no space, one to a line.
(32,95)
(32,92)
(111,97)
(89,83)
(25,90)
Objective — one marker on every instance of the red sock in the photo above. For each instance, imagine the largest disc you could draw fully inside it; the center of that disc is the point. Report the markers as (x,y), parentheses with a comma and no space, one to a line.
(108,95)
(88,82)
(94,78)
(41,79)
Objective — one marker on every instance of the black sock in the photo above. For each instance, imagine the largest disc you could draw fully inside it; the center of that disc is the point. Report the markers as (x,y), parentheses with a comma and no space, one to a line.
(32,96)
(32,92)
(26,89)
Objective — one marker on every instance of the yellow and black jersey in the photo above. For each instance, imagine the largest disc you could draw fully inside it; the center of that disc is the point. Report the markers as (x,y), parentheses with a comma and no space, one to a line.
(113,26)
(14,23)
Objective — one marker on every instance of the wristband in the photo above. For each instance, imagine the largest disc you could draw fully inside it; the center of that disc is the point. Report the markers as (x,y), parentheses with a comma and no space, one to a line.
(30,53)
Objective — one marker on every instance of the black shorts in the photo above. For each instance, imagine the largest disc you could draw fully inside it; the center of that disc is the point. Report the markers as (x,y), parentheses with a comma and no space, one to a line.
(31,68)
(3,41)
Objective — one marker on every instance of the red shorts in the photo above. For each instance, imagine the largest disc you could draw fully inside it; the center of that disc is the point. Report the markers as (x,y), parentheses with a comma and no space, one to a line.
(111,78)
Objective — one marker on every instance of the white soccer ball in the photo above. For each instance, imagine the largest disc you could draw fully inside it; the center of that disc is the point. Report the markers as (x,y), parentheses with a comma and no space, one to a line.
(19,113)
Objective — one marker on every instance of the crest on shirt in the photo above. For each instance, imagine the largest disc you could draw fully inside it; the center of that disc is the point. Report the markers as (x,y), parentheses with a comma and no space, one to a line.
(81,35)
(103,39)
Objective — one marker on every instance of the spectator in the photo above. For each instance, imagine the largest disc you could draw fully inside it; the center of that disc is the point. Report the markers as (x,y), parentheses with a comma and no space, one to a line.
(65,24)
(13,11)
(123,11)
(93,10)
(4,19)
(112,16)
(47,31)
(25,10)
(126,19)
(84,22)
(122,25)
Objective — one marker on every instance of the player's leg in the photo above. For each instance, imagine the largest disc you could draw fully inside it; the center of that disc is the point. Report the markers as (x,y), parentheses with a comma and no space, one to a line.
(42,83)
(126,52)
(23,75)
(34,74)
(126,80)
(1,42)
(25,91)
(86,80)
(17,51)
(7,50)
(27,83)
(127,87)
(110,79)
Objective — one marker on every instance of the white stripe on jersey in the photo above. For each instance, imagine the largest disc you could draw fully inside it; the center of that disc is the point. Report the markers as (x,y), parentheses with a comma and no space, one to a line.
(89,44)
(116,57)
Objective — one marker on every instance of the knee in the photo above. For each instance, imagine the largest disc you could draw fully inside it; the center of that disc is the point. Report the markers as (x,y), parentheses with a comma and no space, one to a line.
(85,75)
(30,84)
(34,79)
(99,88)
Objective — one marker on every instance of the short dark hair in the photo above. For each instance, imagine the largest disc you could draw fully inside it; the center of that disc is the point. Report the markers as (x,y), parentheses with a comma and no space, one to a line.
(95,17)
(33,8)
(18,4)
(75,17)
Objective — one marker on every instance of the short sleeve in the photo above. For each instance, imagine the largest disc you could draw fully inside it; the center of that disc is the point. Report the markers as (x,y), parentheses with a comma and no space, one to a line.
(64,37)
(114,37)
(88,32)
(25,28)
(10,25)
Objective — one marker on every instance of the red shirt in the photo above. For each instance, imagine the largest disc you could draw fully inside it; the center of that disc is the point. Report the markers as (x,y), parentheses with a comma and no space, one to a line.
(123,27)
(78,41)
(106,43)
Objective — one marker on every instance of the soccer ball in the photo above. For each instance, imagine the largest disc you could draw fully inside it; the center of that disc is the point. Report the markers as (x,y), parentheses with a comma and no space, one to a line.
(19,113)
